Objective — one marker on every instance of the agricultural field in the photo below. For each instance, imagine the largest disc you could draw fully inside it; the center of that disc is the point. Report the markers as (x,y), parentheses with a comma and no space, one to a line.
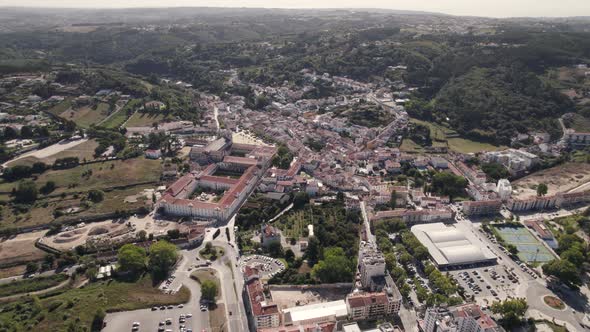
(117,119)
(61,107)
(87,115)
(77,307)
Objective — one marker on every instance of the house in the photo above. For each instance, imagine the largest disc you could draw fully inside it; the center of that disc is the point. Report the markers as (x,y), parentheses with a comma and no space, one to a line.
(153,154)
(269,235)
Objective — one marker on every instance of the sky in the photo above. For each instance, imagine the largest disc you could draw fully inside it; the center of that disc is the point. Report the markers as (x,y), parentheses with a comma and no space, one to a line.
(490,8)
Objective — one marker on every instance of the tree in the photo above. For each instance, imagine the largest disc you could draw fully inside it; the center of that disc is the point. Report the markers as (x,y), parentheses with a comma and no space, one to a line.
(163,256)
(208,290)
(289,256)
(563,270)
(445,183)
(541,189)
(48,188)
(312,253)
(142,235)
(335,266)
(390,261)
(26,192)
(301,198)
(511,310)
(32,267)
(97,321)
(95,195)
(131,259)
(275,249)
(393,200)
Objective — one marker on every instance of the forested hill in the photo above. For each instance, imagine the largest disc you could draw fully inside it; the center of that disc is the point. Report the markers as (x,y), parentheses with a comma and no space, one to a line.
(492,104)
(487,76)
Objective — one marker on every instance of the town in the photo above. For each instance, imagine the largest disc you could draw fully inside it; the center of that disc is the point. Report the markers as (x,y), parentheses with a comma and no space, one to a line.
(319,203)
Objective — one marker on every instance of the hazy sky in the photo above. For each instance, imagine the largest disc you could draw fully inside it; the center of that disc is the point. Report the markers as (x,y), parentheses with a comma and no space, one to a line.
(496,8)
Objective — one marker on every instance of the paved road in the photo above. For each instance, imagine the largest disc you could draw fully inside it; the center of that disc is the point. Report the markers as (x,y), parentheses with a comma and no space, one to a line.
(370,236)
(122,321)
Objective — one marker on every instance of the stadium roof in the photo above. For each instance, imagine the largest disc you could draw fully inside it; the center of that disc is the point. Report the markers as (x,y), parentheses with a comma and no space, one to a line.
(448,245)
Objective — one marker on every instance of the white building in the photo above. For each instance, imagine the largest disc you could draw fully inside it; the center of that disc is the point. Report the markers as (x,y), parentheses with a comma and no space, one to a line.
(449,247)
(372,264)
(504,189)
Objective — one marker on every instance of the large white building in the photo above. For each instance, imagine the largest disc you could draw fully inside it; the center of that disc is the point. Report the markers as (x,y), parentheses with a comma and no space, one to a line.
(452,248)
(372,264)
(504,189)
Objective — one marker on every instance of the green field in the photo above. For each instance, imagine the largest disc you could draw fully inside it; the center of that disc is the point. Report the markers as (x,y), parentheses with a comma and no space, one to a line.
(77,307)
(144,119)
(118,118)
(61,107)
(31,285)
(103,175)
(86,116)
(579,123)
(443,136)
(462,145)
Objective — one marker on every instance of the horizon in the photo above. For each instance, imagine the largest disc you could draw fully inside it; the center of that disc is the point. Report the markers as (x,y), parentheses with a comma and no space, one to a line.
(491,9)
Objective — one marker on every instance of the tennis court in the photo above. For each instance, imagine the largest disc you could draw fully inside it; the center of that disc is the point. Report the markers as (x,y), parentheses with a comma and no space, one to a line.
(529,248)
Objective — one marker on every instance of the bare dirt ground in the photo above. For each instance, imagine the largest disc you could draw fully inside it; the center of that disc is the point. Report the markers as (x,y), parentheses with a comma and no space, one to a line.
(108,231)
(290,297)
(561,178)
(70,239)
(21,248)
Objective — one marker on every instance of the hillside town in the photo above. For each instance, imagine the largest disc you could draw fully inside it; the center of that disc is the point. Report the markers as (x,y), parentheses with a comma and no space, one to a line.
(318,203)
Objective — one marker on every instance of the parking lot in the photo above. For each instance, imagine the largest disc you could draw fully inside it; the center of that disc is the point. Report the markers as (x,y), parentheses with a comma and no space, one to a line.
(488,284)
(267,266)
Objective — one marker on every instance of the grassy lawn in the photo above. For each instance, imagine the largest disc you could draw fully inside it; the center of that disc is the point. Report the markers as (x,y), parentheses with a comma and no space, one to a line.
(103,175)
(462,145)
(216,252)
(82,151)
(61,107)
(117,119)
(87,115)
(443,136)
(144,119)
(31,285)
(410,146)
(200,275)
(579,123)
(77,307)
